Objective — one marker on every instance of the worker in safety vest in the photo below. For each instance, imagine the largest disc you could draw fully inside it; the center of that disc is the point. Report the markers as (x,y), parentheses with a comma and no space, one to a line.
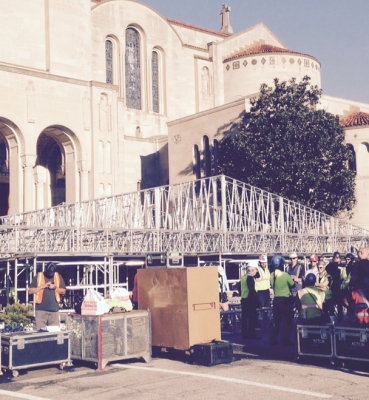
(312,300)
(262,283)
(360,298)
(47,287)
(249,302)
(281,282)
(324,282)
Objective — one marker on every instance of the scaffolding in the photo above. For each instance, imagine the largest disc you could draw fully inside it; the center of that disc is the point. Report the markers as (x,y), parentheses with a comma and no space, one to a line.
(218,215)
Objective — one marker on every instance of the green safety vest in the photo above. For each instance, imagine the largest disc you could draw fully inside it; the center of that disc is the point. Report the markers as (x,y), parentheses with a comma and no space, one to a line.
(244,288)
(312,300)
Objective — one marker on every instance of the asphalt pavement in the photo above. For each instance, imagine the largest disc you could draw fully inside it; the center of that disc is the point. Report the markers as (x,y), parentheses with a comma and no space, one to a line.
(258,370)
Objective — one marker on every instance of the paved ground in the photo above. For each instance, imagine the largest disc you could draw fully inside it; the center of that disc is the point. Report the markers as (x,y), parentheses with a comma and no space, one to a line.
(257,371)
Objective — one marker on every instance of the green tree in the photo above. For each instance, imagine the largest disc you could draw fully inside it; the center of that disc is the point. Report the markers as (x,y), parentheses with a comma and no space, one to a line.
(287,147)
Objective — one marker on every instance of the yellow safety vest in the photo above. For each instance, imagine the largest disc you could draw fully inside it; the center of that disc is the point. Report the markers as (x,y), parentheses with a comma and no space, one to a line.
(263,283)
(41,281)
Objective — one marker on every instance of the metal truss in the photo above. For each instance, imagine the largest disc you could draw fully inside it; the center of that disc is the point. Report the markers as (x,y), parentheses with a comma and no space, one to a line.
(216,214)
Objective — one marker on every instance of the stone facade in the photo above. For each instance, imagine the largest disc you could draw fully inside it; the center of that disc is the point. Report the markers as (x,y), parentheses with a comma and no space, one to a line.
(105,97)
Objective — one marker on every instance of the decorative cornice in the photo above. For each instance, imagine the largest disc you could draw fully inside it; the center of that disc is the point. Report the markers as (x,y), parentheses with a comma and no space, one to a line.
(153,139)
(51,77)
(266,48)
(195,47)
(203,58)
(197,28)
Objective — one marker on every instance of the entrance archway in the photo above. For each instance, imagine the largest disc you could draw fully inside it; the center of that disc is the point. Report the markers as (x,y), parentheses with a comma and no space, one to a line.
(51,156)
(56,172)
(11,174)
(4,176)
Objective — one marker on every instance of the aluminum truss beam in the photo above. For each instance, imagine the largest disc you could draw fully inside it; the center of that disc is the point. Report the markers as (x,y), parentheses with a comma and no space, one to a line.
(216,214)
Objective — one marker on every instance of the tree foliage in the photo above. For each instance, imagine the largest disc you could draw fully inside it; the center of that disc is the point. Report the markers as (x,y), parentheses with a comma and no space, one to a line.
(287,147)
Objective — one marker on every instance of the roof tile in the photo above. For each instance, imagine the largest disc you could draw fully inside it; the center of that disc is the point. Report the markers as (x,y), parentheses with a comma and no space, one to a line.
(357,119)
(264,48)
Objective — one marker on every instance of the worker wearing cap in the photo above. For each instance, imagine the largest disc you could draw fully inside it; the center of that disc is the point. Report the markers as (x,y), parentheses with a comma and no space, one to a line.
(47,287)
(312,300)
(296,272)
(262,283)
(313,267)
(249,301)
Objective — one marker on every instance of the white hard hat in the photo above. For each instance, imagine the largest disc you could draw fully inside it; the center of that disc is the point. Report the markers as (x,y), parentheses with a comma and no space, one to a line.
(252,264)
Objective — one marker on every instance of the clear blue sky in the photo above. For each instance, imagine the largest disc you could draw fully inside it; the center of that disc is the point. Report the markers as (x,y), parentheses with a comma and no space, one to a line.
(336,32)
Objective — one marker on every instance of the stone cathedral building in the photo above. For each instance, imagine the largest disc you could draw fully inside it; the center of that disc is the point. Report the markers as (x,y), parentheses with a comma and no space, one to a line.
(102,97)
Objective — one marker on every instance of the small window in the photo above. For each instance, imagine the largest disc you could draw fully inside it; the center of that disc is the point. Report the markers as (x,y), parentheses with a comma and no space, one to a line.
(109,60)
(155,82)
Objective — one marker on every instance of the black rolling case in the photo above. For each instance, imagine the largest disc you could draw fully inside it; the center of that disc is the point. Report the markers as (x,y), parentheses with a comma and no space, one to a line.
(21,350)
(213,353)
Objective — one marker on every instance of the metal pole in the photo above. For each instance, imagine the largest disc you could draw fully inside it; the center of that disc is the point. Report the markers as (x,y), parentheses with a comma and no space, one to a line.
(104,276)
(111,274)
(7,281)
(27,280)
(16,280)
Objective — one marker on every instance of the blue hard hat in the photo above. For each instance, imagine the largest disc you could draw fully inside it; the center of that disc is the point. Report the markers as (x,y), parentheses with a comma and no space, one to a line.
(310,279)
(277,262)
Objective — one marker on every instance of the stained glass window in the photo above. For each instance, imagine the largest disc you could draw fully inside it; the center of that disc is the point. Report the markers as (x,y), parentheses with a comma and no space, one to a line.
(155,81)
(133,69)
(109,61)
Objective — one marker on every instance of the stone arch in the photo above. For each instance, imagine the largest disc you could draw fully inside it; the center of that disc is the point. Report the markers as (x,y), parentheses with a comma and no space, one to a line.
(11,180)
(56,172)
(352,162)
(363,159)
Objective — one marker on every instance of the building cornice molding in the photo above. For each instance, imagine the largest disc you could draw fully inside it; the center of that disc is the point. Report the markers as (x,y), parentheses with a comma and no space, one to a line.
(51,77)
(208,112)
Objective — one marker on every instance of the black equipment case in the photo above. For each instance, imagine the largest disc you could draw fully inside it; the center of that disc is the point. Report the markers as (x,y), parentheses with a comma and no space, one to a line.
(315,340)
(351,343)
(213,353)
(21,350)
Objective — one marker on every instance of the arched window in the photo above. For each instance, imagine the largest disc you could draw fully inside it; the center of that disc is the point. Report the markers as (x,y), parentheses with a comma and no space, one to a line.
(133,69)
(363,159)
(352,161)
(155,81)
(214,166)
(109,61)
(207,157)
(196,162)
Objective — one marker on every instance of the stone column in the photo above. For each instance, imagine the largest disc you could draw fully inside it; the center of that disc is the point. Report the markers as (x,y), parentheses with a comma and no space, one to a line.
(84,170)
(28,162)
(40,177)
